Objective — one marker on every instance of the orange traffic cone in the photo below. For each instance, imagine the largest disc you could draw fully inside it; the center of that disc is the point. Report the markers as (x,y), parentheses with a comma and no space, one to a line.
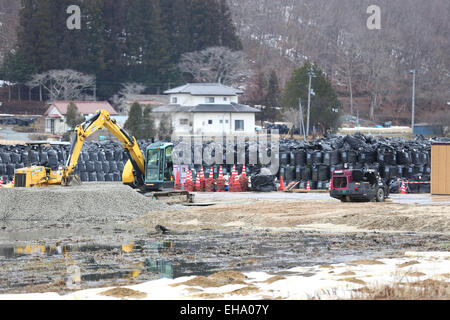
(403,189)
(244,172)
(220,183)
(281,183)
(177,181)
(14,181)
(197,183)
(233,173)
(1,182)
(308,187)
(209,187)
(202,180)
(243,180)
(188,184)
(235,186)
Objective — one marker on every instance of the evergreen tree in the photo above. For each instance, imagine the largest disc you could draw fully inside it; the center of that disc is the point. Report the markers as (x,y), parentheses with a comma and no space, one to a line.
(73,116)
(158,53)
(227,35)
(93,30)
(272,99)
(325,106)
(165,129)
(148,126)
(46,49)
(134,121)
(122,40)
(16,70)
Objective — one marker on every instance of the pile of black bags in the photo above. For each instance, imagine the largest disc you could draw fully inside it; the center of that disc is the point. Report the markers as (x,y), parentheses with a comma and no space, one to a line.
(313,161)
(393,158)
(98,161)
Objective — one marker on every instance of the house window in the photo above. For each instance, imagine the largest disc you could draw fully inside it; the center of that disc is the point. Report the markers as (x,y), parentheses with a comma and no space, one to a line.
(226,121)
(209,99)
(174,100)
(221,121)
(184,121)
(239,125)
(210,122)
(225,99)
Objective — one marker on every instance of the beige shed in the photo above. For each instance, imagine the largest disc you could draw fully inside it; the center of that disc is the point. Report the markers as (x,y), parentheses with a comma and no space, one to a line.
(440,168)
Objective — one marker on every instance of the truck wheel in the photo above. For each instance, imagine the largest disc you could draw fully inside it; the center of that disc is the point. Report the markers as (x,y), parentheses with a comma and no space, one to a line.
(380,195)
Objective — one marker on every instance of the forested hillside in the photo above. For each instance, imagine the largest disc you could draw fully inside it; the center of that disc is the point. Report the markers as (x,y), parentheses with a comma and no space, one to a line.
(120,40)
(414,34)
(142,41)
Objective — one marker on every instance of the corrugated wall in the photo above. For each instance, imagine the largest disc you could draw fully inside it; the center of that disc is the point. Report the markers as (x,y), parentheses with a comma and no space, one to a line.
(440,169)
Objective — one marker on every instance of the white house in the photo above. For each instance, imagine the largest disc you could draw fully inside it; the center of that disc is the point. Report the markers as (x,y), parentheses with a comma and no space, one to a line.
(207,109)
(55,116)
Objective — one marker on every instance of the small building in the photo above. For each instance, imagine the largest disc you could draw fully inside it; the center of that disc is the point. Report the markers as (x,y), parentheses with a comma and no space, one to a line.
(428,129)
(440,168)
(144,100)
(207,109)
(55,116)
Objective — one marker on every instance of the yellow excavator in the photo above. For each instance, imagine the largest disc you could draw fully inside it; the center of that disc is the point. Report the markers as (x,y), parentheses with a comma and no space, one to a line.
(133,173)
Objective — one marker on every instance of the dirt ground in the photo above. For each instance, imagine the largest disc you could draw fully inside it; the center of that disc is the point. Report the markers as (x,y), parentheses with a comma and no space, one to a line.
(301,214)
(115,241)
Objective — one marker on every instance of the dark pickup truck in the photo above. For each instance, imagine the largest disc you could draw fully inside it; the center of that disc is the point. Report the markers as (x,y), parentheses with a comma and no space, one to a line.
(358,185)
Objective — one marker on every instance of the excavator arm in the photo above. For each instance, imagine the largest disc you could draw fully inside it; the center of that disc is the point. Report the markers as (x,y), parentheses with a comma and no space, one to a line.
(99,121)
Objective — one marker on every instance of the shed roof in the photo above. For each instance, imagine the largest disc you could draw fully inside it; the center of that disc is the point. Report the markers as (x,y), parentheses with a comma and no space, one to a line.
(84,107)
(205,89)
(208,108)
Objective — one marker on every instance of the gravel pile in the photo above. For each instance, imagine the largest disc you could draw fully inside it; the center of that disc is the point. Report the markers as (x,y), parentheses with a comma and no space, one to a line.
(93,202)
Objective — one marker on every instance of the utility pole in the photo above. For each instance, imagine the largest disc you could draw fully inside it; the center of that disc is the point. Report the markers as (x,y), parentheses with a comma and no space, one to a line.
(413,71)
(302,122)
(310,74)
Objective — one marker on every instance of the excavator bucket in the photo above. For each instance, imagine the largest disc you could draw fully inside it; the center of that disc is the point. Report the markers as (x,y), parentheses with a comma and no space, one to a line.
(71,180)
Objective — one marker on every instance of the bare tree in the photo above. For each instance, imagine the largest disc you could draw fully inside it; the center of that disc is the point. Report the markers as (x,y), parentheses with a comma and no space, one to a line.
(37,80)
(363,64)
(216,64)
(66,84)
(127,92)
(132,88)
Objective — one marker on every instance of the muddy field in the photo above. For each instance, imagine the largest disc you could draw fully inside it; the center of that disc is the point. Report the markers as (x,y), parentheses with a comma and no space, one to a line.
(105,235)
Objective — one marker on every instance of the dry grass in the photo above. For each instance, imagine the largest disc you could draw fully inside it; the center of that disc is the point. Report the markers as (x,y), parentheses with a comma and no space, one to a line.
(123,293)
(420,290)
(353,280)
(244,291)
(218,279)
(274,279)
(365,262)
(407,264)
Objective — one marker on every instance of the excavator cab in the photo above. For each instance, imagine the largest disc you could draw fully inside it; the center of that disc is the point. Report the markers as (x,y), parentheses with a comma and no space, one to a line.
(159,166)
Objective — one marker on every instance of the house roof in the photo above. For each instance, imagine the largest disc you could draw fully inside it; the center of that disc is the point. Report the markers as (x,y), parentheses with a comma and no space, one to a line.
(147,99)
(209,108)
(205,89)
(84,107)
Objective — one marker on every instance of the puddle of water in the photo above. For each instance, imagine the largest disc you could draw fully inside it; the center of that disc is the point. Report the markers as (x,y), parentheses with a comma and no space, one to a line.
(202,253)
